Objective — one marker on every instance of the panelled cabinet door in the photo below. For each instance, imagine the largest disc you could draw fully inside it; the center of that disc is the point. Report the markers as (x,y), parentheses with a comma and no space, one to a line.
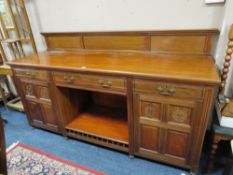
(163,127)
(149,115)
(38,100)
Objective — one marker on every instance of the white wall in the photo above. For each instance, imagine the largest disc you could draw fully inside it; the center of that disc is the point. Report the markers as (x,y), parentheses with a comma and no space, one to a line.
(83,15)
(108,15)
(117,15)
(222,44)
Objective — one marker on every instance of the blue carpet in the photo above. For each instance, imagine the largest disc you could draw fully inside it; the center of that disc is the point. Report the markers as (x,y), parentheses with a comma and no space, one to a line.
(105,160)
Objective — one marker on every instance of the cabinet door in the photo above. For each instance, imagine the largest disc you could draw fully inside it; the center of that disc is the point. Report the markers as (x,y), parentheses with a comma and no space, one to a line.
(163,127)
(148,132)
(37,97)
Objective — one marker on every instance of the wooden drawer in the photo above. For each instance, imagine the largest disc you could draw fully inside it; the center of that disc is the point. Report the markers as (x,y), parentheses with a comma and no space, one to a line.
(90,81)
(168,89)
(31,73)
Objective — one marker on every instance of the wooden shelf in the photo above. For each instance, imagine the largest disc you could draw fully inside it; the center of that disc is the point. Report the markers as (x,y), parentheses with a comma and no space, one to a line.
(103,122)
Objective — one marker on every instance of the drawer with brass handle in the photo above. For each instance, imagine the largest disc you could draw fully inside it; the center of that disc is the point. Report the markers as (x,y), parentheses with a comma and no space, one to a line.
(105,83)
(68,79)
(168,89)
(90,81)
(31,73)
(163,90)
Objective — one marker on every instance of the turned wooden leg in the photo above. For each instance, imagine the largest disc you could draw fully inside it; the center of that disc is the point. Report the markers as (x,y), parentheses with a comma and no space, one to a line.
(227,169)
(213,151)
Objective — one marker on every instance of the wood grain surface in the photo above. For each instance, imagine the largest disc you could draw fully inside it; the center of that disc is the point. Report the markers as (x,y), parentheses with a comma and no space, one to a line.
(179,67)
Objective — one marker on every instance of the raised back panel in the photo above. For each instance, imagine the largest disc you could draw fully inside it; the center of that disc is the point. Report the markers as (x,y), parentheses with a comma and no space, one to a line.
(176,41)
(185,44)
(115,42)
(64,42)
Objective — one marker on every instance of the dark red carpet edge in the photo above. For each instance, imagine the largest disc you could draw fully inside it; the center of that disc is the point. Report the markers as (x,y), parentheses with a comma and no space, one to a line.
(55,158)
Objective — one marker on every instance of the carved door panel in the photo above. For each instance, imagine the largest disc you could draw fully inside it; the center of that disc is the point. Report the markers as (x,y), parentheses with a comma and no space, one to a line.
(163,126)
(150,110)
(36,114)
(29,90)
(43,93)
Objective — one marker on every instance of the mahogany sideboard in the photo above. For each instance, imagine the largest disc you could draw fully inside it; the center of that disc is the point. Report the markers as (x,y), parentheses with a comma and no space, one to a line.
(146,93)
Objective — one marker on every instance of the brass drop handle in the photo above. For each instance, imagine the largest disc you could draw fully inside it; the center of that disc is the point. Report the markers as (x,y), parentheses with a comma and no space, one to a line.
(110,83)
(33,74)
(160,88)
(169,92)
(172,90)
(105,85)
(72,78)
(65,78)
(68,79)
(101,82)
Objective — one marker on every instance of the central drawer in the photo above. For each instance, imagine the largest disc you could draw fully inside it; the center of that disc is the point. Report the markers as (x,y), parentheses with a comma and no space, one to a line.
(90,81)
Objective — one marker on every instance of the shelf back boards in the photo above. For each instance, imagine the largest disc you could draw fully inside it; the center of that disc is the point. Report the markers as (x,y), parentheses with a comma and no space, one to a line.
(171,41)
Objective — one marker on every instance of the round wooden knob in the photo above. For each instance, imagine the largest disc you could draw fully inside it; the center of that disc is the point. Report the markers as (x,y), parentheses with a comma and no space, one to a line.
(222,84)
(229,51)
(226,64)
(230,44)
(228,58)
(225,70)
(224,77)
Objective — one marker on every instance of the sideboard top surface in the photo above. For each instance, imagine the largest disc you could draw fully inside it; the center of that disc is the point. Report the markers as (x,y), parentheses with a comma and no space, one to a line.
(192,68)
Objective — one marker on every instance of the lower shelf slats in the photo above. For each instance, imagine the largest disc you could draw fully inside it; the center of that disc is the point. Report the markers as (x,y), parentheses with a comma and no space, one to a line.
(122,146)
